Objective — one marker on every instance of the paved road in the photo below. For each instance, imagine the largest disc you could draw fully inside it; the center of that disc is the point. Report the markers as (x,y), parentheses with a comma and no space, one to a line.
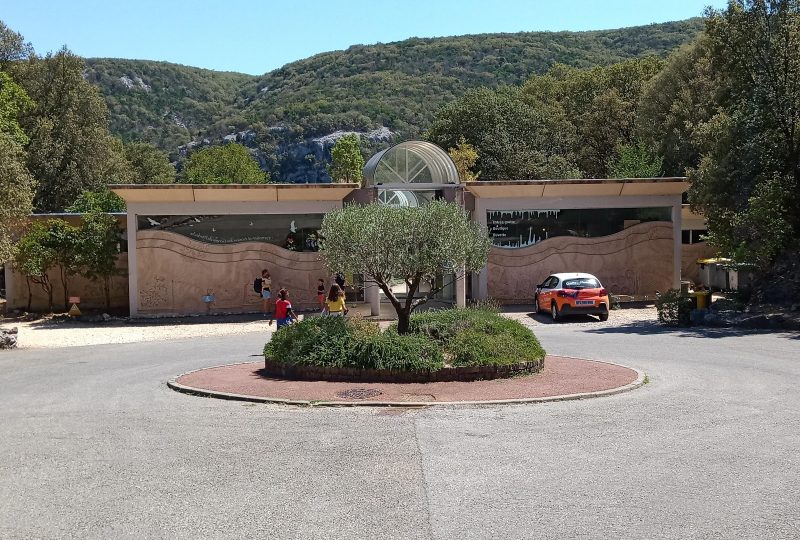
(93,445)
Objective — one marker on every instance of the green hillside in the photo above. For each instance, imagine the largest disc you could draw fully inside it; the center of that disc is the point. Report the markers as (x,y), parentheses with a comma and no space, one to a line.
(399,86)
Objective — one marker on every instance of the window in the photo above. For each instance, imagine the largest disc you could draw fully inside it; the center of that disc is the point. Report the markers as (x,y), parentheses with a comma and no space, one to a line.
(292,232)
(521,228)
(581,283)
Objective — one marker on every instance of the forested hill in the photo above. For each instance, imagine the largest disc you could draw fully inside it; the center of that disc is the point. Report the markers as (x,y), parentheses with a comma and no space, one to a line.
(392,90)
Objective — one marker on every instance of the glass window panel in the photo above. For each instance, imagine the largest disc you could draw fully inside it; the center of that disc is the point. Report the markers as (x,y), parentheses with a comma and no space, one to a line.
(521,228)
(293,232)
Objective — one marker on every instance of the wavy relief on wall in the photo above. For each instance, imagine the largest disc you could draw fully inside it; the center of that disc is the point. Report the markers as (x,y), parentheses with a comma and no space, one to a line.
(636,261)
(175,272)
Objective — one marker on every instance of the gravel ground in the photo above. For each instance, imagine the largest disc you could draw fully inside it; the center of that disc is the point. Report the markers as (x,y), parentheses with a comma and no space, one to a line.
(49,333)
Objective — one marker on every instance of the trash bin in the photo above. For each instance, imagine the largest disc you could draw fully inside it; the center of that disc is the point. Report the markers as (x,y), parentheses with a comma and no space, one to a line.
(701,299)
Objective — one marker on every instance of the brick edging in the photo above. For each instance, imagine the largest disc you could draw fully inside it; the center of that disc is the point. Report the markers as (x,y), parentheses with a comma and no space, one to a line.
(297,372)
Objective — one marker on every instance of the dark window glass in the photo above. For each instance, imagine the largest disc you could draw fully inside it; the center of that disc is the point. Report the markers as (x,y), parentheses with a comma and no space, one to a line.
(293,232)
(581,283)
(520,228)
(686,237)
(697,236)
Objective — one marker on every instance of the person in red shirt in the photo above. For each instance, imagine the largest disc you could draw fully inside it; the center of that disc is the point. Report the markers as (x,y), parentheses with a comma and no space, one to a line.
(283,310)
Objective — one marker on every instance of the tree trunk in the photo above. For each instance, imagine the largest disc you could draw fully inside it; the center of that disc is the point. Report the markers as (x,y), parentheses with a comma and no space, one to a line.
(107,291)
(403,321)
(49,290)
(30,292)
(66,289)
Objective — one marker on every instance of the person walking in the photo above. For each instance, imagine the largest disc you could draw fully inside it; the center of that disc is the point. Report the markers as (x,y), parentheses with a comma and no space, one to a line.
(266,293)
(321,293)
(334,304)
(283,310)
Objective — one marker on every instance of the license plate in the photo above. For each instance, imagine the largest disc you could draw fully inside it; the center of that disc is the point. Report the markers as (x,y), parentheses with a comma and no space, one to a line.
(584,302)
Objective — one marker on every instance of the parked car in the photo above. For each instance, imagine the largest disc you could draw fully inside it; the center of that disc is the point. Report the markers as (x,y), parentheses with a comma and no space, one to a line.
(572,294)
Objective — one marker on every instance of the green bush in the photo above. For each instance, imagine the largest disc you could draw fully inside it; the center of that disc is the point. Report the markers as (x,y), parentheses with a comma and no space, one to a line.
(674,308)
(475,336)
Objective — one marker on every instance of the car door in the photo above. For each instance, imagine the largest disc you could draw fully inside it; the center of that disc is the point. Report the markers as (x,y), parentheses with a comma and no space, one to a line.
(546,292)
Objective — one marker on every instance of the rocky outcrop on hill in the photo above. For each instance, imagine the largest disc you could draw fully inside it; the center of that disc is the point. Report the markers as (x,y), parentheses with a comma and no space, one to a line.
(303,162)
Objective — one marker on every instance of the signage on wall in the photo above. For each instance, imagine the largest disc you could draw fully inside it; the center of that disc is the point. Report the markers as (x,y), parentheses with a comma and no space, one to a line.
(516,228)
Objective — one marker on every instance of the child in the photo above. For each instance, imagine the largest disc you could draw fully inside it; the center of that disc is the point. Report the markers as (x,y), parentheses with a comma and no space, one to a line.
(266,294)
(321,293)
(334,304)
(283,310)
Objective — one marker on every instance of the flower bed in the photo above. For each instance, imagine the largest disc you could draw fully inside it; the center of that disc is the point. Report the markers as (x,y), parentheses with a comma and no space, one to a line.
(446,345)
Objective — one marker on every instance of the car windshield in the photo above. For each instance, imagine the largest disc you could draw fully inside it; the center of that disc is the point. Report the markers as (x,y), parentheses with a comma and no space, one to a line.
(581,283)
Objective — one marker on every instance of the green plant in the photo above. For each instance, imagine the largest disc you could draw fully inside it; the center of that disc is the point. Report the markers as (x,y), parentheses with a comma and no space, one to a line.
(673,308)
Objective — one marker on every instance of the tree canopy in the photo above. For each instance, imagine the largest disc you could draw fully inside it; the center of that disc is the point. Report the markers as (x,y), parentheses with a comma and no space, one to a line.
(411,245)
(226,164)
(347,162)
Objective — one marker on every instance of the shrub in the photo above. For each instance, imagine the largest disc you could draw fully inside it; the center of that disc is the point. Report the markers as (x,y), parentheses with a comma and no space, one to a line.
(475,336)
(674,308)
(478,336)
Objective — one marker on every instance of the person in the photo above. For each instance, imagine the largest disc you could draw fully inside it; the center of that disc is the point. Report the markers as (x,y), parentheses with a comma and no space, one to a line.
(334,304)
(340,281)
(283,310)
(321,293)
(266,294)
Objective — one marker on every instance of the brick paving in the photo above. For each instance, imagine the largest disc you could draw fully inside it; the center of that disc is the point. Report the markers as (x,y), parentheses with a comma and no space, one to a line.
(561,376)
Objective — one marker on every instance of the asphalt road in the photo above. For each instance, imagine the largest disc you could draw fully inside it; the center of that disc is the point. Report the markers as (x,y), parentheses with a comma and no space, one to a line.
(94,445)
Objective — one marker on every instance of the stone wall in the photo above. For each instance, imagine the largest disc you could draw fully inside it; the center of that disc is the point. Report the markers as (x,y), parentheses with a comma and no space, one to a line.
(636,261)
(90,292)
(690,270)
(175,272)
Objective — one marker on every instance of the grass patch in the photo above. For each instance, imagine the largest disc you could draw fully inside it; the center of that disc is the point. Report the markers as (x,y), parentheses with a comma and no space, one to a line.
(475,336)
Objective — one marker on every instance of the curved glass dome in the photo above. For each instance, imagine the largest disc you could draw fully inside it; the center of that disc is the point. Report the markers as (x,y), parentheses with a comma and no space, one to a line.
(410,162)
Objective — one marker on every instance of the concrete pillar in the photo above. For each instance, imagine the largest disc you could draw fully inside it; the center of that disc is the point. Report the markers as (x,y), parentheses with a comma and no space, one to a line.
(676,246)
(461,288)
(133,277)
(372,294)
(11,299)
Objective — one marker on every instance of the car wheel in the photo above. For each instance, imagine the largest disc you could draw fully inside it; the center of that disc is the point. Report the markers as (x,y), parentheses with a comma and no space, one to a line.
(604,317)
(554,312)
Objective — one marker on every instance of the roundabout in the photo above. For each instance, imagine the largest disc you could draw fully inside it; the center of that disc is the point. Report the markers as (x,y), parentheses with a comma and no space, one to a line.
(563,378)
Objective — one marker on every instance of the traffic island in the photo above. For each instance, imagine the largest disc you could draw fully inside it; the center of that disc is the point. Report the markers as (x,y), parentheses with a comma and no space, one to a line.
(562,378)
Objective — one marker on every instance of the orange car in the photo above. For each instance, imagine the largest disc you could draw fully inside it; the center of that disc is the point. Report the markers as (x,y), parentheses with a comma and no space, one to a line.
(572,294)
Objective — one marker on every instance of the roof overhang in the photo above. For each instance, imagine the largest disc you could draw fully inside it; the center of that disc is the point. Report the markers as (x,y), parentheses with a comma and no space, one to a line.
(592,187)
(161,193)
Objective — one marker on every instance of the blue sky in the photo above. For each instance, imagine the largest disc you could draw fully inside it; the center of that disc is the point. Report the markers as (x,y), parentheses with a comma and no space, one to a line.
(261,35)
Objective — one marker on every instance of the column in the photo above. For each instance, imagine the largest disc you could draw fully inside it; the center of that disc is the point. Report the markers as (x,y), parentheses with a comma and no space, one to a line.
(461,288)
(676,244)
(372,294)
(133,277)
(11,300)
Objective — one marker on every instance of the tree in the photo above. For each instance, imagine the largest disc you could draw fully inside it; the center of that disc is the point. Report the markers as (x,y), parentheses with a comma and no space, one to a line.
(464,157)
(16,184)
(748,180)
(514,139)
(148,164)
(415,245)
(13,47)
(13,101)
(99,243)
(63,240)
(70,148)
(635,161)
(17,187)
(35,257)
(97,201)
(227,164)
(348,163)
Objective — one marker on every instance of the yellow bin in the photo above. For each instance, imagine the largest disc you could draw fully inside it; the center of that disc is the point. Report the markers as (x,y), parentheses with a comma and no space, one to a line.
(702,299)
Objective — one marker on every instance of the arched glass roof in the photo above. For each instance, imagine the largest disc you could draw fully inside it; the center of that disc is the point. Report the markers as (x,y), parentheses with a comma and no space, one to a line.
(410,162)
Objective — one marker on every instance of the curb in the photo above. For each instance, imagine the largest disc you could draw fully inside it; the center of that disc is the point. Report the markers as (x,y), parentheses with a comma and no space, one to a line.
(201,392)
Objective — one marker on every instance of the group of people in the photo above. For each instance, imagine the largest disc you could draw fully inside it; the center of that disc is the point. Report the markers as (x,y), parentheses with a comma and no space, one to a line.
(331,302)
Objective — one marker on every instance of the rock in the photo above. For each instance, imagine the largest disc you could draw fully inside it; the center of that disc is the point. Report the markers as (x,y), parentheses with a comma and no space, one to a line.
(106,317)
(8,338)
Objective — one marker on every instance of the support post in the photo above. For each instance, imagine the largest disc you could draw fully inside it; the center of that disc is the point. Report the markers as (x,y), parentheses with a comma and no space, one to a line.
(133,277)
(461,288)
(372,294)
(676,243)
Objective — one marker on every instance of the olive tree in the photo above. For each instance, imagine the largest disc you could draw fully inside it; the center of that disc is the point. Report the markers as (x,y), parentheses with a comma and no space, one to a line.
(415,245)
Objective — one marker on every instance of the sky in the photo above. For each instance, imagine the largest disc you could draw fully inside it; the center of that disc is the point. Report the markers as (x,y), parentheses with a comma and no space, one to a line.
(261,35)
